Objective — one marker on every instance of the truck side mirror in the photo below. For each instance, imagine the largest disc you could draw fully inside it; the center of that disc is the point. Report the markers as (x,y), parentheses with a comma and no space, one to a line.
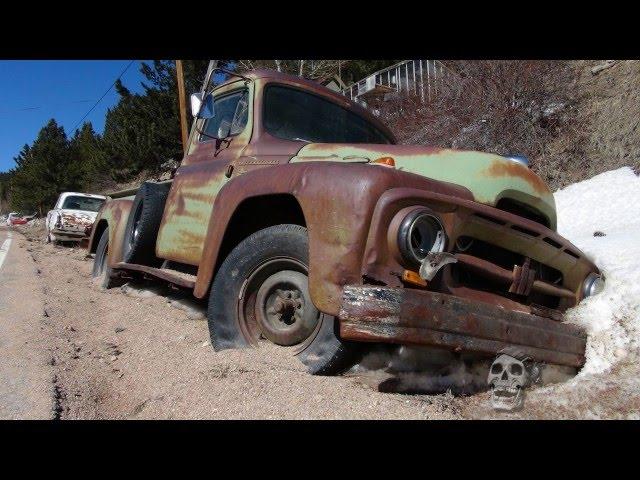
(202,107)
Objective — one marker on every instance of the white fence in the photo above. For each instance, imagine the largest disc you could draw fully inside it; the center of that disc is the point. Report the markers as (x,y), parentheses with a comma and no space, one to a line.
(420,77)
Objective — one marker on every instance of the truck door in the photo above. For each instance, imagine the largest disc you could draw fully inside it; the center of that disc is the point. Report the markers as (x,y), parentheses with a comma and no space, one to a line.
(202,174)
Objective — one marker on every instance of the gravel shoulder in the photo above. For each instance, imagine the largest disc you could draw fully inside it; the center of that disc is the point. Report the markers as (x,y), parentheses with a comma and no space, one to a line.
(134,356)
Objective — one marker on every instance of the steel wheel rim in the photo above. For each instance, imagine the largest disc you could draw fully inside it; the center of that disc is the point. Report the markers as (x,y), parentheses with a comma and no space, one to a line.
(258,309)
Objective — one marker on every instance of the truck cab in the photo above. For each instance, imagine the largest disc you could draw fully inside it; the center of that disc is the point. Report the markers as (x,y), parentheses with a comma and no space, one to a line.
(299,220)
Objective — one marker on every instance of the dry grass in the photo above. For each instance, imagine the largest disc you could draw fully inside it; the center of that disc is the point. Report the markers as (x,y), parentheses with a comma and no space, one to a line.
(569,123)
(602,129)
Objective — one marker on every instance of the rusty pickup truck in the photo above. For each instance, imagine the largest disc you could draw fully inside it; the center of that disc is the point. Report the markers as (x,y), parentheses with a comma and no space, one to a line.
(300,221)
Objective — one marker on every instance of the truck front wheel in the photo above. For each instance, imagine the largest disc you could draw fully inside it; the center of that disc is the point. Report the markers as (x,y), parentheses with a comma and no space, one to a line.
(261,293)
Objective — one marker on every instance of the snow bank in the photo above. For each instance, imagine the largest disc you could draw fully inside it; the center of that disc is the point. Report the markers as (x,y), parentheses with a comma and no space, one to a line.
(608,203)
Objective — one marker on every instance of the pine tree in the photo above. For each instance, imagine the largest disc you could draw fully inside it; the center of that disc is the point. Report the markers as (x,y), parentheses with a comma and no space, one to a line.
(5,195)
(43,170)
(143,130)
(88,159)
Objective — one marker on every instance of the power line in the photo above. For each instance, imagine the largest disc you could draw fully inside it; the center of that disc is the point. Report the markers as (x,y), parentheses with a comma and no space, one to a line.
(40,107)
(100,99)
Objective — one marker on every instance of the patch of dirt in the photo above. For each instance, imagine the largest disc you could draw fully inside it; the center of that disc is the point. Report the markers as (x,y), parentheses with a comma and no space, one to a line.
(118,355)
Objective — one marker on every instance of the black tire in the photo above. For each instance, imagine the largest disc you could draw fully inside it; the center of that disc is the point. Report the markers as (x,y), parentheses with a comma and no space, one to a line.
(143,224)
(283,249)
(102,273)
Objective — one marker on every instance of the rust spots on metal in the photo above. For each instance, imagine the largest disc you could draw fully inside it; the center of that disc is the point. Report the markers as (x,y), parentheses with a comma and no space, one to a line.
(523,277)
(521,280)
(76,221)
(499,168)
(115,212)
(414,317)
(172,276)
(180,210)
(337,213)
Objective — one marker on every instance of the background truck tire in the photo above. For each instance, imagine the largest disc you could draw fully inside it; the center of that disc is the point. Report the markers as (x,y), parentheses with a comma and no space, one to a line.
(267,269)
(102,273)
(143,224)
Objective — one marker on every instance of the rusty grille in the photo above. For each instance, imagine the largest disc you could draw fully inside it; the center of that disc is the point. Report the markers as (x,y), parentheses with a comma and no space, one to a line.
(524,271)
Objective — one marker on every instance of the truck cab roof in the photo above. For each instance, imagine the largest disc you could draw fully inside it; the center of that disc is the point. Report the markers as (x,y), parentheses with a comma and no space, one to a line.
(271,76)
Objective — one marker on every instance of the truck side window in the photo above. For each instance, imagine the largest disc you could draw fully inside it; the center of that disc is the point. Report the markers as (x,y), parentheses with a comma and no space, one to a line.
(293,114)
(232,108)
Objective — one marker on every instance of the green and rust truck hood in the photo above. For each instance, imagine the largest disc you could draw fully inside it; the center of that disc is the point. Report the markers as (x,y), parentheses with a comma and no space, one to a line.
(489,177)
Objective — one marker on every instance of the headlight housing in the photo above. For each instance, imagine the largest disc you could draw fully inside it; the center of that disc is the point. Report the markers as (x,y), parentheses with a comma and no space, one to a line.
(593,284)
(421,232)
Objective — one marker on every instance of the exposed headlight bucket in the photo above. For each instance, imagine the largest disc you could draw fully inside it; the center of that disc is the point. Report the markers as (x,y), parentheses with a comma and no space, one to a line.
(420,233)
(592,285)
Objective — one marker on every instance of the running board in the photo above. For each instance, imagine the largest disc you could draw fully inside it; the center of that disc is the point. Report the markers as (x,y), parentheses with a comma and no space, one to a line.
(172,276)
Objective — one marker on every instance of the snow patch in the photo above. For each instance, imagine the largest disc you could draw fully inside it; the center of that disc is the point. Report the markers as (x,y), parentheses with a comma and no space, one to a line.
(607,203)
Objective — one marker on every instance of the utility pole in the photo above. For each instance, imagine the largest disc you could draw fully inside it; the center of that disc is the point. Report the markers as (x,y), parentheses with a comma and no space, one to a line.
(183,104)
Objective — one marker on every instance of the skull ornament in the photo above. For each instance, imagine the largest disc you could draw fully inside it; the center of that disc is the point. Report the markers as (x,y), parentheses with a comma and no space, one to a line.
(507,379)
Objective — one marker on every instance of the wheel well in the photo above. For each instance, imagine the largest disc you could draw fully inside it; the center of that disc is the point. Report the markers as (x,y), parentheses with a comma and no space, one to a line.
(101,227)
(256,213)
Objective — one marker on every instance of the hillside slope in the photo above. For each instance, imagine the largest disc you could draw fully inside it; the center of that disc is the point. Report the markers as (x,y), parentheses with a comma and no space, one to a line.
(601,125)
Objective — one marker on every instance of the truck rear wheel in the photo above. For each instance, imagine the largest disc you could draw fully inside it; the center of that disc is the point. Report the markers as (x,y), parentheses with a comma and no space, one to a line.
(261,293)
(102,273)
(143,224)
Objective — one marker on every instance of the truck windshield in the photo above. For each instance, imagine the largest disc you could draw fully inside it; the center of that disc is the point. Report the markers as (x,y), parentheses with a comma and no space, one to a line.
(82,203)
(293,114)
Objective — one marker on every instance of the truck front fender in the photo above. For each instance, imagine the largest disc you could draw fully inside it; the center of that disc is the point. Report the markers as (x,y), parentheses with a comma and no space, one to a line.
(337,201)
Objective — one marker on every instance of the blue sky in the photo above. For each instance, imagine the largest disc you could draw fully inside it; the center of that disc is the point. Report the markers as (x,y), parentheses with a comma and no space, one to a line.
(32,92)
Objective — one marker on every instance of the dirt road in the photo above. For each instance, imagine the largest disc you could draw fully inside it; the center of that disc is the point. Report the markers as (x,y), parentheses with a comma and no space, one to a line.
(25,375)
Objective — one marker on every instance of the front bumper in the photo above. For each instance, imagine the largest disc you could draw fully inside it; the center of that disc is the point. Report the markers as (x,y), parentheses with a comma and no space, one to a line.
(414,317)
(68,234)
(73,236)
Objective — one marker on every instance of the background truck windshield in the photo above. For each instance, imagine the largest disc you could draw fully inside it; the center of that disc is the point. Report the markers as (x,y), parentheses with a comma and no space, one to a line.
(82,203)
(296,115)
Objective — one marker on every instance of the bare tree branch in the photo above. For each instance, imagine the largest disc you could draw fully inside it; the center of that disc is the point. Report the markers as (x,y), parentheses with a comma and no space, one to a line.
(319,70)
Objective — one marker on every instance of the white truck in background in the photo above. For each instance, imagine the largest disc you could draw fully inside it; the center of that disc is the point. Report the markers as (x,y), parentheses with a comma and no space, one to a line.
(72,217)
